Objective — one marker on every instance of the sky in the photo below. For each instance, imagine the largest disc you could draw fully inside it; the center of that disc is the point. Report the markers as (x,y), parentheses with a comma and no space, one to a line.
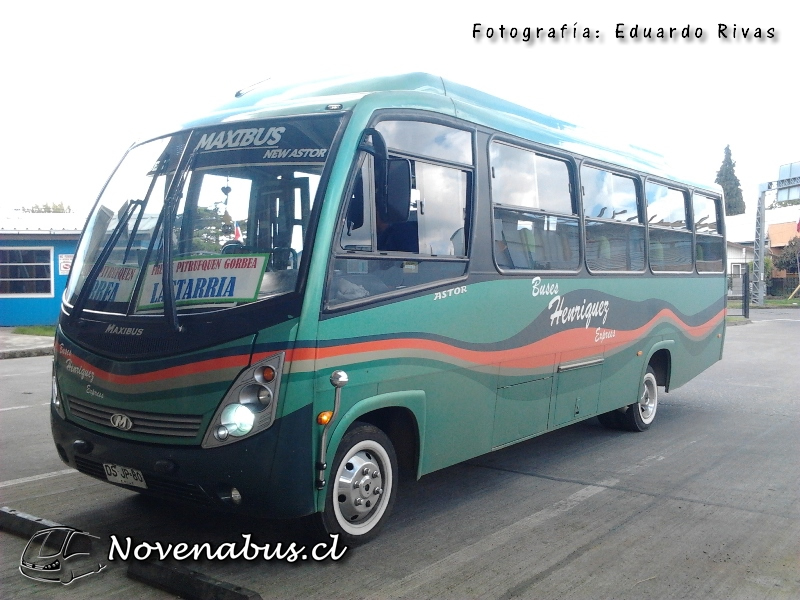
(83,80)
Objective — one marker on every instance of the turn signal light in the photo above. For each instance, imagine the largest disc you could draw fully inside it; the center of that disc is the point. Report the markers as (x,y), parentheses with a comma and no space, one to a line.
(325,417)
(266,374)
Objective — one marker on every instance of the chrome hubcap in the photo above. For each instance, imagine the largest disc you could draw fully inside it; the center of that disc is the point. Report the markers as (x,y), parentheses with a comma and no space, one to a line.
(360,486)
(649,399)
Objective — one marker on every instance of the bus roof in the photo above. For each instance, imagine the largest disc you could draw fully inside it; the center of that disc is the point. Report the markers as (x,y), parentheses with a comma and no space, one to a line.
(423,90)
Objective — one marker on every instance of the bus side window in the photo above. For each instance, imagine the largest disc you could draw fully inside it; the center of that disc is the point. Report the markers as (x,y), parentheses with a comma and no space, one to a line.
(379,253)
(441,208)
(614,227)
(670,237)
(535,226)
(709,244)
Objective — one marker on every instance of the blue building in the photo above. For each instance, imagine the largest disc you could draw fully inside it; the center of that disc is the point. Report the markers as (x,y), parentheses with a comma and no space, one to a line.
(36,251)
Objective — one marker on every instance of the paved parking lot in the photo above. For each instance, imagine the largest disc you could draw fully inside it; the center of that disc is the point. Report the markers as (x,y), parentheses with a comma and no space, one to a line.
(706,504)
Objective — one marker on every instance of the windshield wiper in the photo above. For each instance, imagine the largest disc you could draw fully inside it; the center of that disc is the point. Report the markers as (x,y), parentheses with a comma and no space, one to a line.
(97,267)
(170,207)
(143,204)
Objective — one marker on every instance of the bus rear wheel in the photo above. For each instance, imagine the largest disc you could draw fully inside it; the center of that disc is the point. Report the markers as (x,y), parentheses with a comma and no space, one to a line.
(362,488)
(641,414)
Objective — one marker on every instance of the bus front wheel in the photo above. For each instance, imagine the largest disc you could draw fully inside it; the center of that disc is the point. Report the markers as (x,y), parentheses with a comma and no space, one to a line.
(362,488)
(641,414)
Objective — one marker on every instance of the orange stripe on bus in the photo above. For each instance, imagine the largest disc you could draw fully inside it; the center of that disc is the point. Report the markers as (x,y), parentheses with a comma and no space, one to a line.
(534,355)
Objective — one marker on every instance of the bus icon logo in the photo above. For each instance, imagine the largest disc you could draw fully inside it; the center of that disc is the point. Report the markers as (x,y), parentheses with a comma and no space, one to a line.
(59,554)
(121,421)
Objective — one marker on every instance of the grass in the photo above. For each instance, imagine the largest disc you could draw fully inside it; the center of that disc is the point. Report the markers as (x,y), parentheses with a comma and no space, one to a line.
(732,321)
(45,330)
(770,303)
(783,302)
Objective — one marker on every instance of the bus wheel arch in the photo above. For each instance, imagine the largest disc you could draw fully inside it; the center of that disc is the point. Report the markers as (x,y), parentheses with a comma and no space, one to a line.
(661,364)
(400,426)
(641,414)
(400,415)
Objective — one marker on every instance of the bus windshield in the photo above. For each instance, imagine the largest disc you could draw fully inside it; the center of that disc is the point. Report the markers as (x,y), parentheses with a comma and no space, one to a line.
(237,202)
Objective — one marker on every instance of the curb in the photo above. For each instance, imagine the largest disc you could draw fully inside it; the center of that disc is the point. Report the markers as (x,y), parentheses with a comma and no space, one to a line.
(23,524)
(26,353)
(187,583)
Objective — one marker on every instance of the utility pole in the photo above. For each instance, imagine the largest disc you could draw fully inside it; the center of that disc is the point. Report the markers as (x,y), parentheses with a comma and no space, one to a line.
(757,290)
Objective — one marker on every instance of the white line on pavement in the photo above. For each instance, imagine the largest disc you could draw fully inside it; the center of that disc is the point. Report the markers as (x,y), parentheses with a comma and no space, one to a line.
(11,482)
(435,571)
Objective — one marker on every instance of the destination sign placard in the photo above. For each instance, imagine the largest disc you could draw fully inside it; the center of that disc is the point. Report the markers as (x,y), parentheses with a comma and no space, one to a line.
(221,279)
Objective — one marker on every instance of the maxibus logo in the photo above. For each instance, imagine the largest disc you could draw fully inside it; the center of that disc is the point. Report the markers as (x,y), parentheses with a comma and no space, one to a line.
(116,330)
(241,138)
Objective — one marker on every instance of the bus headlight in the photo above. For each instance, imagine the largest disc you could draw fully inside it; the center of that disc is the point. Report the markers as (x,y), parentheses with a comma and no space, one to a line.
(237,419)
(250,404)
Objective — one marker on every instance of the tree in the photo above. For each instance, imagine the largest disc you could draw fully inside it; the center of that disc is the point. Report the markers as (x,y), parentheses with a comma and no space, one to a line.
(726,177)
(212,229)
(208,227)
(787,260)
(768,268)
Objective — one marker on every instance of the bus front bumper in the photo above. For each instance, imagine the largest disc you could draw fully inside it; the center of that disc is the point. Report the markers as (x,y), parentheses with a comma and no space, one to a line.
(270,479)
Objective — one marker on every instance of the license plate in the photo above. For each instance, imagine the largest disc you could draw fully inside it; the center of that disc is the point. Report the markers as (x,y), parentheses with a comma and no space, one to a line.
(124,475)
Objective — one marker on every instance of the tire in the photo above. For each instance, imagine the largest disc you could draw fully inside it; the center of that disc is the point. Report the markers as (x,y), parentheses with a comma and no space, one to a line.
(362,486)
(640,415)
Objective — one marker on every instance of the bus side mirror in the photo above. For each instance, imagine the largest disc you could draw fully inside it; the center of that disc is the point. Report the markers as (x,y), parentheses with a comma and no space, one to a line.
(397,203)
(392,179)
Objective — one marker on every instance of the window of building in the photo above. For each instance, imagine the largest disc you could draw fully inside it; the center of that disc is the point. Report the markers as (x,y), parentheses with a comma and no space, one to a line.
(26,272)
(789,190)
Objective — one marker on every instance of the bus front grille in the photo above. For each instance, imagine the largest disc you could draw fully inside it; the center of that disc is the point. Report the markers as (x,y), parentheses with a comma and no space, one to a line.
(140,422)
(160,486)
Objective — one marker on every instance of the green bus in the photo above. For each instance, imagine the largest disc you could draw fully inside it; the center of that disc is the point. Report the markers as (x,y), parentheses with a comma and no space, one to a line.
(368,277)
